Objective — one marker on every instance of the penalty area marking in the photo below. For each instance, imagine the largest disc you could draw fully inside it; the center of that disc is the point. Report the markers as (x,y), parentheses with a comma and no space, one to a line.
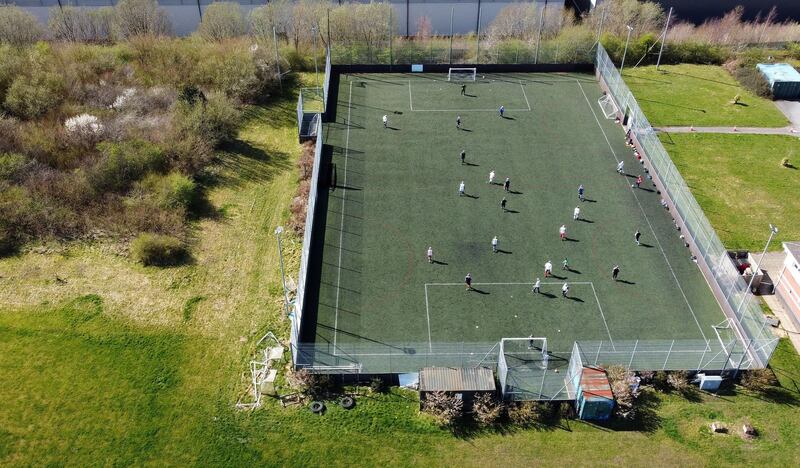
(590,283)
(524,95)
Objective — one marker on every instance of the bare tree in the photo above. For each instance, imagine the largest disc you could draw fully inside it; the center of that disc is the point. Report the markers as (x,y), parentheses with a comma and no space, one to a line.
(517,20)
(275,14)
(306,15)
(76,24)
(424,27)
(18,27)
(222,20)
(140,18)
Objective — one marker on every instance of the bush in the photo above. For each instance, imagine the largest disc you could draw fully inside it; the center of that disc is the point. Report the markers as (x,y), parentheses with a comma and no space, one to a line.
(157,249)
(222,20)
(170,191)
(124,163)
(314,385)
(9,142)
(758,380)
(134,18)
(12,165)
(446,409)
(215,122)
(751,79)
(620,379)
(18,27)
(679,381)
(75,24)
(31,96)
(17,208)
(377,385)
(527,413)
(487,410)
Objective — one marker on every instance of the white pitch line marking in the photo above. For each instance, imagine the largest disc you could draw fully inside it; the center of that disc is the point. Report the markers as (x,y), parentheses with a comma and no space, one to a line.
(341,225)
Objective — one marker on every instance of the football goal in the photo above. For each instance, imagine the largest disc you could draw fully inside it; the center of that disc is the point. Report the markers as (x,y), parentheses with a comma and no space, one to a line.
(608,106)
(461,74)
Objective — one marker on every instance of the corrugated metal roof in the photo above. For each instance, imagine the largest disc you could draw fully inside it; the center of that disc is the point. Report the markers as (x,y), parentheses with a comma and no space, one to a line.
(793,248)
(449,379)
(779,72)
(594,384)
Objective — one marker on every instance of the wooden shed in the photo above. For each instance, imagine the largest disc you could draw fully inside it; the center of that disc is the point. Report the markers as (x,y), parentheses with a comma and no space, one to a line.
(465,383)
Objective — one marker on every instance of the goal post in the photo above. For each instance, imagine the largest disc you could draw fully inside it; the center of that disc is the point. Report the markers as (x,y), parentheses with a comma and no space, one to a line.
(608,106)
(462,74)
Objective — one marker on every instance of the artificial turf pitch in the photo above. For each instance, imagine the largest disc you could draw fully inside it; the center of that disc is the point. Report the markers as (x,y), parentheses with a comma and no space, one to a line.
(395,192)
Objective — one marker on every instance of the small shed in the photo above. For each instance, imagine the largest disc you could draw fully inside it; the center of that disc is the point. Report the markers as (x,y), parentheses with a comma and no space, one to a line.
(594,399)
(783,79)
(465,383)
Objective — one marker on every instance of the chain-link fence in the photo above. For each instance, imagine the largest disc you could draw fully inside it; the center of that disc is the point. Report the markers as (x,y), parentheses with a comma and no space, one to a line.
(729,286)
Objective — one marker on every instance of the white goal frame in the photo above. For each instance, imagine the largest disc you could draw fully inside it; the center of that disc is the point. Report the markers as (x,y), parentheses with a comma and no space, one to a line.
(462,74)
(608,106)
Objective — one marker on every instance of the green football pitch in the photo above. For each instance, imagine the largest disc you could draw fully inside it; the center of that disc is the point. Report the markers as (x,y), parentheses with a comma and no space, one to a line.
(394,192)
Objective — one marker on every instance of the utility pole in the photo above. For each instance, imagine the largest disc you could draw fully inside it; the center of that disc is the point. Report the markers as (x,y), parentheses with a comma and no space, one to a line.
(664,38)
(478,35)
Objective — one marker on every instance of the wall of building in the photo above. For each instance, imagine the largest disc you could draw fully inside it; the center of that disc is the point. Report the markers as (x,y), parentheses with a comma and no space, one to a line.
(788,288)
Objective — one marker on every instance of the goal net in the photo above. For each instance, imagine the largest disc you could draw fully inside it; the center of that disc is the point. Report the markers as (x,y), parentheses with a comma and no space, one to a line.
(607,105)
(461,74)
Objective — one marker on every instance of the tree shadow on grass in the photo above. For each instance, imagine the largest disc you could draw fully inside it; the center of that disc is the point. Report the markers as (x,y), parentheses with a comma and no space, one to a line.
(646,419)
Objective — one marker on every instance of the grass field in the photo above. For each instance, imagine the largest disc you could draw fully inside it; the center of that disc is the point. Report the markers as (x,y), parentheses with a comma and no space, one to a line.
(739,182)
(396,193)
(699,95)
(113,368)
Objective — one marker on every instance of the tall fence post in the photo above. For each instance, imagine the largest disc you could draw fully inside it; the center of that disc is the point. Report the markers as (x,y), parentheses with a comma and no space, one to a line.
(539,34)
(664,38)
(450,55)
(668,354)
(633,353)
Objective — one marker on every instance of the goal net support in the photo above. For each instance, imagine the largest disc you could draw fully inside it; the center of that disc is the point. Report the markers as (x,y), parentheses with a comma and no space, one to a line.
(461,74)
(608,106)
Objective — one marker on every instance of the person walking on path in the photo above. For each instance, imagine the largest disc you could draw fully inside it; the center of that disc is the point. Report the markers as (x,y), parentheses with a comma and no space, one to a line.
(615,272)
(468,281)
(494,244)
(536,286)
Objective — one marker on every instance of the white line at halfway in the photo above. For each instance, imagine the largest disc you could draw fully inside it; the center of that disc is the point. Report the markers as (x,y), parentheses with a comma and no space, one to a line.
(666,259)
(603,316)
(476,284)
(341,224)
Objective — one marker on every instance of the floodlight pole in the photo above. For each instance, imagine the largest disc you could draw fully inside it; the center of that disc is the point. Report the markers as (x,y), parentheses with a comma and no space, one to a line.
(772,231)
(664,38)
(602,21)
(478,35)
(316,69)
(278,232)
(622,65)
(539,34)
(450,55)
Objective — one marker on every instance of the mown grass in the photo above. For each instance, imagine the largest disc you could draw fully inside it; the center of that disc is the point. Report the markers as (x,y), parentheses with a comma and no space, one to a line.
(739,182)
(698,95)
(108,368)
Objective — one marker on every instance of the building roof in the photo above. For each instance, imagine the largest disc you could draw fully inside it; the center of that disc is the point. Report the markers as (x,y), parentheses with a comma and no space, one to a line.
(449,379)
(792,248)
(594,384)
(779,72)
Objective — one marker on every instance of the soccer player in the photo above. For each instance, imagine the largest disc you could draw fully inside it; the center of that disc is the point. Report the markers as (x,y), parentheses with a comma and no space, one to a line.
(620,167)
(385,121)
(491,177)
(615,272)
(458,122)
(430,254)
(494,244)
(548,269)
(536,286)
(468,281)
(463,156)
(636,237)
(576,214)
(638,181)
(502,110)
(580,193)
(463,89)
(503,204)
(461,189)
(565,264)
(507,184)
(562,232)
(565,290)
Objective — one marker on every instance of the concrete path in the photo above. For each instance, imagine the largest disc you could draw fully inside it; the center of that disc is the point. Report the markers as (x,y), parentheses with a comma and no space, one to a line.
(791,131)
(790,109)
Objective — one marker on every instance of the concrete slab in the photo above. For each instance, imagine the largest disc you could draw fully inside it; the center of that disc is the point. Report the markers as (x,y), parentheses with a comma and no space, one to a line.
(791,109)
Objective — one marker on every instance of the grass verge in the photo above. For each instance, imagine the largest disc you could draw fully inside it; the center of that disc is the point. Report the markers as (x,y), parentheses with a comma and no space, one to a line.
(698,95)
